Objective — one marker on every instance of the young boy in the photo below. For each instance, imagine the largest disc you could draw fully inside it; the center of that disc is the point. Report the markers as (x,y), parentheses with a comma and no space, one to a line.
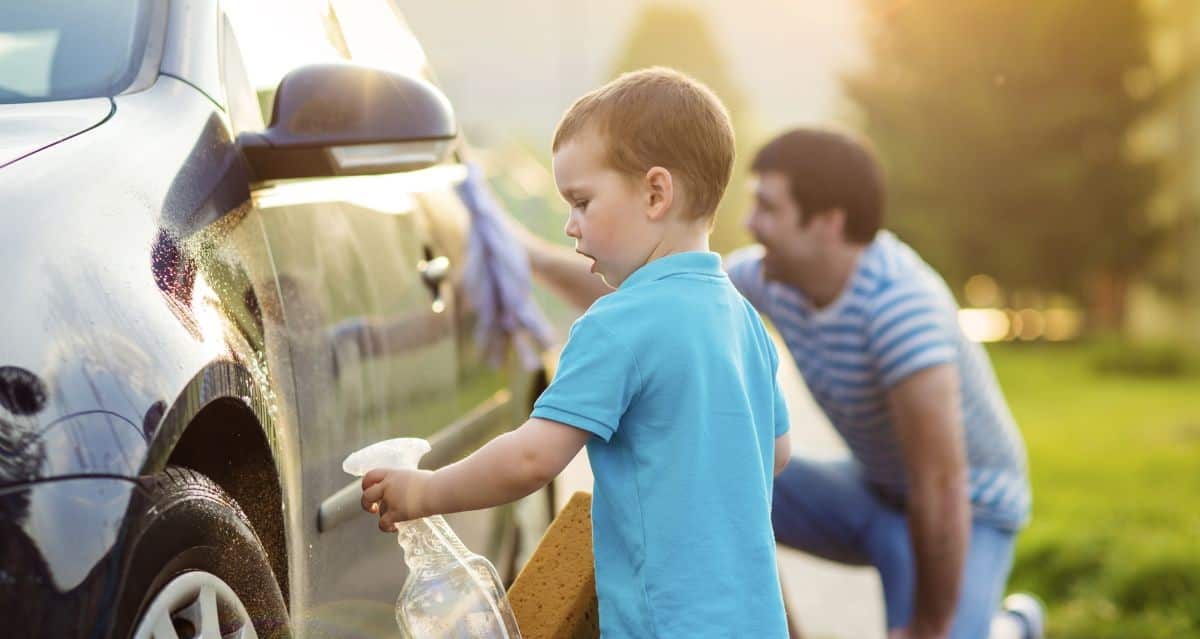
(669,381)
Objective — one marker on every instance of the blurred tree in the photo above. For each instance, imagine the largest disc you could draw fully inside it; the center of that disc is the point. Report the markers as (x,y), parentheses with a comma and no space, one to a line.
(679,37)
(1175,272)
(1004,126)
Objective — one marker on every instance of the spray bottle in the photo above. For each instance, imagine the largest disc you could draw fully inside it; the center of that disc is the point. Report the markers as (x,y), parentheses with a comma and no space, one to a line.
(451,592)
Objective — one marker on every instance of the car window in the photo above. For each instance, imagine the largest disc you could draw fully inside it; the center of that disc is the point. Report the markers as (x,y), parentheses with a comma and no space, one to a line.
(245,114)
(378,36)
(69,49)
(277,36)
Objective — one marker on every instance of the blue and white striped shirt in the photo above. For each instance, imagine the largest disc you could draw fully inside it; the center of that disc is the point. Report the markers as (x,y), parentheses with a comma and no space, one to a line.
(895,317)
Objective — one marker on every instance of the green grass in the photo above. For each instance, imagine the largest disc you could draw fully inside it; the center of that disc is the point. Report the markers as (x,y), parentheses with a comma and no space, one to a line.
(1114,545)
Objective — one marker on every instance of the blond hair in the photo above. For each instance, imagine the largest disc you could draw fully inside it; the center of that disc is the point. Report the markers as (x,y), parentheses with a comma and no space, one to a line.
(660,117)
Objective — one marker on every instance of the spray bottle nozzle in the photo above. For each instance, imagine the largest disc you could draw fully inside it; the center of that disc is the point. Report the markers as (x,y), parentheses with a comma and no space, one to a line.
(402,452)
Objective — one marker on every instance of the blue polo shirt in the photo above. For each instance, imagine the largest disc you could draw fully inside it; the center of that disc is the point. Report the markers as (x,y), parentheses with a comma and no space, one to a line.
(674,375)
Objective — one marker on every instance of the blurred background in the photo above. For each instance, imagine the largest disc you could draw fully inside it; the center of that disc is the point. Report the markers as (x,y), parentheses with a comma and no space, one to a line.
(1043,155)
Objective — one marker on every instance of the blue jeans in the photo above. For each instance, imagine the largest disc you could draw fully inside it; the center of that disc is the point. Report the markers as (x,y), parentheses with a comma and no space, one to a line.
(825,508)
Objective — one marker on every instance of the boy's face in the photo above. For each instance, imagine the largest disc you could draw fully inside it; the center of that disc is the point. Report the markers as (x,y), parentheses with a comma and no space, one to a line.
(608,209)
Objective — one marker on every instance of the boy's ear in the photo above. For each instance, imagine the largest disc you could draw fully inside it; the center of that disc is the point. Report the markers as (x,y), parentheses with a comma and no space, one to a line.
(660,192)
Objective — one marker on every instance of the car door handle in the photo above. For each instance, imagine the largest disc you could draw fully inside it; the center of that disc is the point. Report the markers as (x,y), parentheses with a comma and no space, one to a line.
(434,271)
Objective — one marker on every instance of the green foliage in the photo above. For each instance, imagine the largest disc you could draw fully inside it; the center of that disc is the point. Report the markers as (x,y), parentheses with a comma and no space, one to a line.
(1003,126)
(1112,547)
(1161,578)
(1059,561)
(678,37)
(1118,356)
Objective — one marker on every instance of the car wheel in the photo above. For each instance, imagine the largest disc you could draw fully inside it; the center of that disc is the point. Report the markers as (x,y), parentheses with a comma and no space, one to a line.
(197,568)
(195,604)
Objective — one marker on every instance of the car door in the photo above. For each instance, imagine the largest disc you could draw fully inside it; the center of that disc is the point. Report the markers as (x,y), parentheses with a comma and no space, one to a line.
(489,399)
(368,281)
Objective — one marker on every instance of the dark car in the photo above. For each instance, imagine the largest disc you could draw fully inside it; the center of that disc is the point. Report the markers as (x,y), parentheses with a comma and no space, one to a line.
(203,314)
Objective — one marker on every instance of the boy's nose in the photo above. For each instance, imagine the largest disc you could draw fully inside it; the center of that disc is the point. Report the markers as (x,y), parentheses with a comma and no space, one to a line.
(571,229)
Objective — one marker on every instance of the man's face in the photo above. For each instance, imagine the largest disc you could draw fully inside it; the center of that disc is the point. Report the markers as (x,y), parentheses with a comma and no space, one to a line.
(607,217)
(774,222)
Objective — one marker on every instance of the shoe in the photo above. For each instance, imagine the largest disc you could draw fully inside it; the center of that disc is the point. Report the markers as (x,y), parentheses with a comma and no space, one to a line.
(1030,611)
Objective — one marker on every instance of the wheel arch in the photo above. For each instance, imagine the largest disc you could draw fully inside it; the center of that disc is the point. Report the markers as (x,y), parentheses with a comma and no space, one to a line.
(221,427)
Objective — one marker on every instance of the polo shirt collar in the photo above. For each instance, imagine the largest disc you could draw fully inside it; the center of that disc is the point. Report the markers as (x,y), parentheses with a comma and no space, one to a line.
(701,262)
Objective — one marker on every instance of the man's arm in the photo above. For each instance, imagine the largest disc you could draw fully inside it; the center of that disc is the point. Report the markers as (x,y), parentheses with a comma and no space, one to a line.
(925,410)
(506,469)
(563,270)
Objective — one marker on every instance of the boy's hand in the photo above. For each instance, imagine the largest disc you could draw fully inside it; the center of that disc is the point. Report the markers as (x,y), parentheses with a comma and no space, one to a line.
(396,495)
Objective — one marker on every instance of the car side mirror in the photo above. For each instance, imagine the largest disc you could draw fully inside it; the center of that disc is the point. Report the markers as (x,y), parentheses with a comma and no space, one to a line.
(345,119)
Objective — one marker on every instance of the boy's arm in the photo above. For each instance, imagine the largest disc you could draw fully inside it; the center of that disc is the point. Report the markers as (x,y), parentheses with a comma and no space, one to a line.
(506,469)
(783,442)
(783,452)
(567,273)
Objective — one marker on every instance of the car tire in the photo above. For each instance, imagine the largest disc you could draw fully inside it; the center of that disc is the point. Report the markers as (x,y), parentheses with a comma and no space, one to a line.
(194,560)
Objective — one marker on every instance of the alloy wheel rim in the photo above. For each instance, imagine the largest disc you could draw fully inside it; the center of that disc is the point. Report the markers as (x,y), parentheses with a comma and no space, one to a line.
(196,605)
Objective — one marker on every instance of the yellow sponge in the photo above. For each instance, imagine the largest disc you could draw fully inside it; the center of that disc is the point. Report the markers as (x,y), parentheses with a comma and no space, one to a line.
(554,597)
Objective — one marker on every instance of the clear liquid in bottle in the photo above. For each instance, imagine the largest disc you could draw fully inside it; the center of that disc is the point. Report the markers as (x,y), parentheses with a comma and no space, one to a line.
(450,592)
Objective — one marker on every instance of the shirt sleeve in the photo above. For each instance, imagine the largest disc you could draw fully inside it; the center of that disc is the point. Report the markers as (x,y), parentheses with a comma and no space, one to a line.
(744,267)
(908,332)
(596,380)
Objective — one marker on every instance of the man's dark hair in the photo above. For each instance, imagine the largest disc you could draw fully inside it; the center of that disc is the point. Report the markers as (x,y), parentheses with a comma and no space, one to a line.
(828,170)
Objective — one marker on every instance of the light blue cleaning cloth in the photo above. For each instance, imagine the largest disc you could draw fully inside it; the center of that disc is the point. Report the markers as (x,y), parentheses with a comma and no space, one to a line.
(498,281)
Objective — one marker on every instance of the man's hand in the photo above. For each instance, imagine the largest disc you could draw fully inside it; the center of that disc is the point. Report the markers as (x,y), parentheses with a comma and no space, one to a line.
(396,494)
